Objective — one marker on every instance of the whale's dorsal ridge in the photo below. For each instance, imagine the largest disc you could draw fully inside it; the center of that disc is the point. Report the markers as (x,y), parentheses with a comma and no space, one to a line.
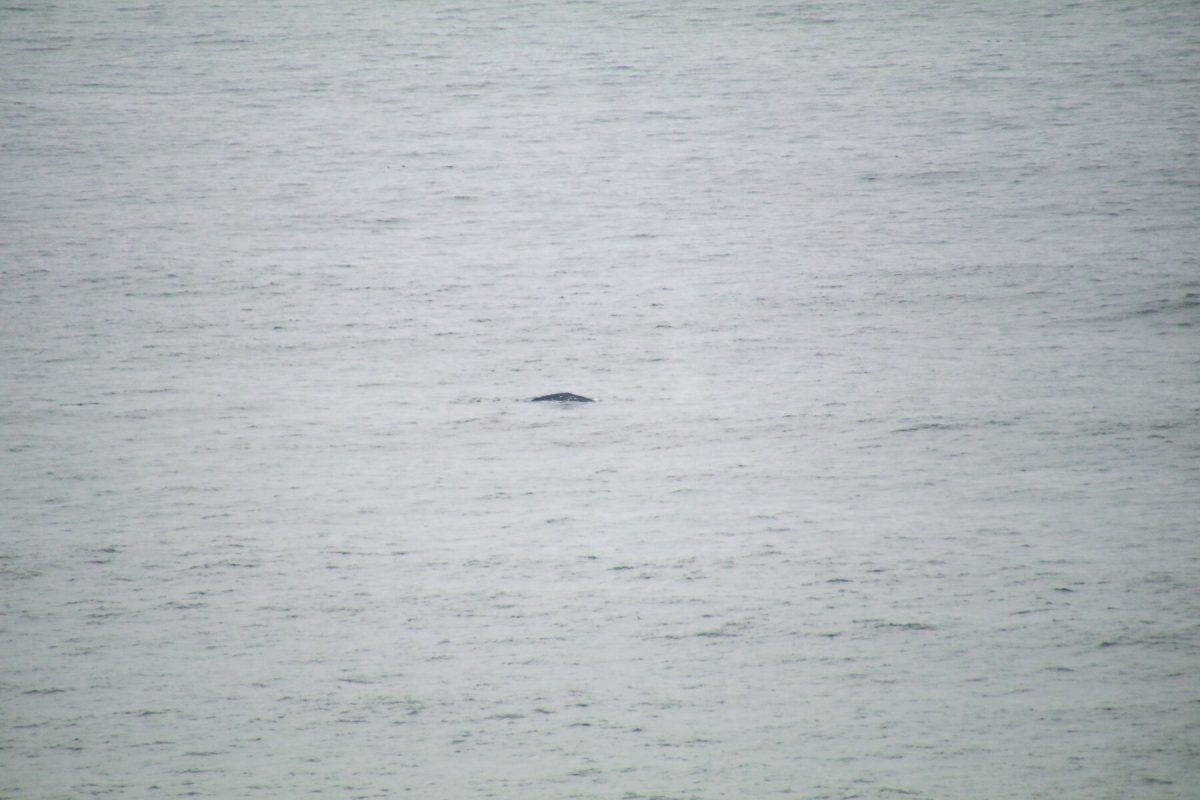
(564,397)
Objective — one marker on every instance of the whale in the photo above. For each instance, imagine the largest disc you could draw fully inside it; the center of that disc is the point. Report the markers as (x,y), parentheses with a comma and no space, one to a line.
(563,397)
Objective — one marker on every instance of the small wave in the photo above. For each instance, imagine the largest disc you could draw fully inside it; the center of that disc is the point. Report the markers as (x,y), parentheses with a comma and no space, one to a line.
(931,426)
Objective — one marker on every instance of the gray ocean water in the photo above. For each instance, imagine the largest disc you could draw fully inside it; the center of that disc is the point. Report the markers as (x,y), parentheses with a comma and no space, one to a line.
(892,487)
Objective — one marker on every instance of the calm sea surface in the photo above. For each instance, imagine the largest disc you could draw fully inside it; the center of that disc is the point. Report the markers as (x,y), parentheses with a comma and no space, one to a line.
(891,310)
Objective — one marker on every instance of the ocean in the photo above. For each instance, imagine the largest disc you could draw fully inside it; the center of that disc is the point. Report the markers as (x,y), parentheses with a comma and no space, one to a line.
(891,488)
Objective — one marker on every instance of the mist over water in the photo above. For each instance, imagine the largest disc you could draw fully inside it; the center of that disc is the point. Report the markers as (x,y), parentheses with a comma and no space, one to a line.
(890,312)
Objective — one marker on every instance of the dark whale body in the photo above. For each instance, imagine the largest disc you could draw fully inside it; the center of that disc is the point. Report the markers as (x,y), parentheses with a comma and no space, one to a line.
(564,397)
